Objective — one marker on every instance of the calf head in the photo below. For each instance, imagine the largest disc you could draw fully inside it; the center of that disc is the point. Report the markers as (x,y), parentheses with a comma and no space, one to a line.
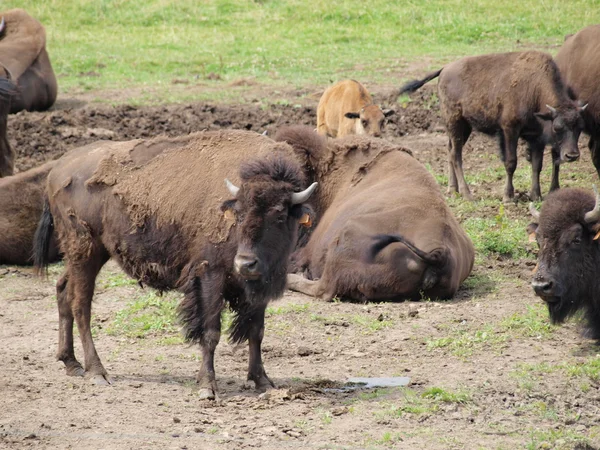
(567,232)
(371,120)
(562,127)
(267,207)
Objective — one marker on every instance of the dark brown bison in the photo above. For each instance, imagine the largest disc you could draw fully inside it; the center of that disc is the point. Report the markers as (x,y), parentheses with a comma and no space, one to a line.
(24,59)
(347,108)
(7,154)
(511,95)
(566,277)
(169,225)
(385,231)
(21,205)
(579,63)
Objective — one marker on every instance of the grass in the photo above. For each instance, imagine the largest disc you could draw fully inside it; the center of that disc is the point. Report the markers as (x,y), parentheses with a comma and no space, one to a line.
(463,340)
(106,44)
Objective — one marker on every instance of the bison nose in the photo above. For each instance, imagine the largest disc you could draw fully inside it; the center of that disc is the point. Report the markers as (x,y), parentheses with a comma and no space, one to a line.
(247,266)
(572,156)
(543,288)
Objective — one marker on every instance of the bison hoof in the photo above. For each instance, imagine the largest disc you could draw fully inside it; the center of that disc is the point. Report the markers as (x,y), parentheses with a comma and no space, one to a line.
(206,394)
(101,380)
(75,371)
(262,383)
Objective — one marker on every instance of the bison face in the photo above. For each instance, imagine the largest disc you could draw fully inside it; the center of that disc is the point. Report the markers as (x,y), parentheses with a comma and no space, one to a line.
(562,128)
(267,214)
(371,120)
(565,275)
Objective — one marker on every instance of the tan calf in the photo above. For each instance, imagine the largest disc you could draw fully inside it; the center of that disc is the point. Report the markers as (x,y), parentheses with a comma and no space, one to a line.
(347,108)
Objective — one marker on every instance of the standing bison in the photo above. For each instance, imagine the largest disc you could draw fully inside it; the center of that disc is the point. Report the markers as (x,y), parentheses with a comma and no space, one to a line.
(7,154)
(511,95)
(168,224)
(385,231)
(347,108)
(24,59)
(567,230)
(579,63)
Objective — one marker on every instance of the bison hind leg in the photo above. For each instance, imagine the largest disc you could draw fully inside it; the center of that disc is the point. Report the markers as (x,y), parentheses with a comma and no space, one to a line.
(314,288)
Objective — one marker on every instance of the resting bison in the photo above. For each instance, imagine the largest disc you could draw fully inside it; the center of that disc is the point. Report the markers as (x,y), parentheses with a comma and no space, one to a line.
(385,233)
(512,95)
(21,205)
(7,154)
(566,277)
(579,63)
(24,59)
(347,108)
(166,223)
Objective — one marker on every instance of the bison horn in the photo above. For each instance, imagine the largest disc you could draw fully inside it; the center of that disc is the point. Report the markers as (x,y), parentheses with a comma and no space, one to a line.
(534,212)
(594,214)
(301,197)
(2,25)
(582,108)
(232,187)
(552,110)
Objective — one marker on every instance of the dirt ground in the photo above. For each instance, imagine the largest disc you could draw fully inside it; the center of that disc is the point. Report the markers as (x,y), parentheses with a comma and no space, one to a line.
(486,369)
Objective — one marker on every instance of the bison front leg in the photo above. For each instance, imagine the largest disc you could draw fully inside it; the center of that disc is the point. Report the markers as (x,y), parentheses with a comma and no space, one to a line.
(536,150)
(594,146)
(206,376)
(554,184)
(256,331)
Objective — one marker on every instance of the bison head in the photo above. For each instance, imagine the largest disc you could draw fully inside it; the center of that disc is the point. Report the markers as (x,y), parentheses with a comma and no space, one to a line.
(562,128)
(567,232)
(371,120)
(267,208)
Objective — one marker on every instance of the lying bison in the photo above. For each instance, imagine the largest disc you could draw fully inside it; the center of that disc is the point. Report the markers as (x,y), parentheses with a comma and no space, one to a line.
(579,63)
(24,59)
(385,232)
(566,277)
(166,223)
(21,205)
(347,108)
(511,95)
(7,154)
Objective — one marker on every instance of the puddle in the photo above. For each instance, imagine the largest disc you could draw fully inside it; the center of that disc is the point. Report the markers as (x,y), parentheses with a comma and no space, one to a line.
(369,383)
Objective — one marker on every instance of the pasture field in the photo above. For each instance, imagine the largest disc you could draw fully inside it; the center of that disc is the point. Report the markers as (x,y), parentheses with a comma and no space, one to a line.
(487,370)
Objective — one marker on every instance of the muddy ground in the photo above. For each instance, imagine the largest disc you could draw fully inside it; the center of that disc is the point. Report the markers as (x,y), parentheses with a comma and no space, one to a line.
(486,369)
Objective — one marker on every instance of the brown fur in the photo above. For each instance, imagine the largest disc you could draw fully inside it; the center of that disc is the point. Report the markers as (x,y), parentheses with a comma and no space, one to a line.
(369,187)
(506,94)
(21,204)
(23,54)
(349,97)
(156,207)
(579,63)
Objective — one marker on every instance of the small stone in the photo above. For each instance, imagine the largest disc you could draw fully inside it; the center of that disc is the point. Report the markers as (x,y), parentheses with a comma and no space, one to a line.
(176,420)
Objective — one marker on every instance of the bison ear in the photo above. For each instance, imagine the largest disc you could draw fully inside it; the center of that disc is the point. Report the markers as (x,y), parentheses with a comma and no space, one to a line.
(352,115)
(227,209)
(544,116)
(304,213)
(388,112)
(532,231)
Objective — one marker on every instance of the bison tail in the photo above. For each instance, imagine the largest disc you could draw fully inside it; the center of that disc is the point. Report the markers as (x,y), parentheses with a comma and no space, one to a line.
(42,240)
(435,258)
(413,85)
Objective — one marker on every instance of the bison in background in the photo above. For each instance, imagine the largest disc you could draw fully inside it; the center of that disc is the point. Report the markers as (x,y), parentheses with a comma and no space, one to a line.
(24,59)
(347,108)
(579,62)
(385,231)
(511,95)
(7,154)
(169,225)
(567,230)
(21,205)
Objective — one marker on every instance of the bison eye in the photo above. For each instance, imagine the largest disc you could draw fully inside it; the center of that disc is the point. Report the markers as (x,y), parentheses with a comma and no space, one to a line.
(576,240)
(365,123)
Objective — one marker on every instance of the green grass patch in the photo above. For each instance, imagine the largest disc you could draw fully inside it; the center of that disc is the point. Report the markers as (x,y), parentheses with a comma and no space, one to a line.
(147,315)
(100,44)
(555,439)
(442,395)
